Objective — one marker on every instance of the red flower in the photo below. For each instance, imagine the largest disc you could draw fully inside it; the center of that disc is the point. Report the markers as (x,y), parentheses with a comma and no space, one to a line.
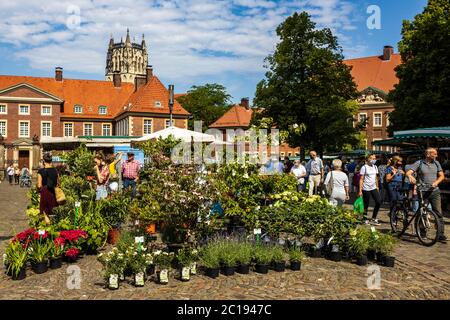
(72,253)
(37,236)
(59,241)
(24,235)
(73,235)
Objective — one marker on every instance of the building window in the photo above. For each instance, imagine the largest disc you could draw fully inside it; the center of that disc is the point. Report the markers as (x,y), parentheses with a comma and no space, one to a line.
(167,123)
(158,104)
(78,109)
(377,119)
(3,109)
(282,154)
(88,129)
(106,129)
(3,128)
(46,129)
(68,129)
(362,117)
(388,114)
(24,109)
(46,110)
(148,124)
(375,147)
(102,110)
(24,129)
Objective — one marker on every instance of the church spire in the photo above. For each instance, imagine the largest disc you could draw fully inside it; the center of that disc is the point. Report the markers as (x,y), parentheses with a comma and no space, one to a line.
(144,45)
(128,36)
(111,41)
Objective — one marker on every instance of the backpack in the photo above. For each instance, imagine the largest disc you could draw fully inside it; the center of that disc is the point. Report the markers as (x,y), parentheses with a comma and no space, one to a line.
(419,169)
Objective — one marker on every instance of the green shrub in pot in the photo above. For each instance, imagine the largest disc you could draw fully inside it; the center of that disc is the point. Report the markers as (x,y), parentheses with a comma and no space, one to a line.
(244,253)
(296,255)
(278,254)
(359,241)
(17,257)
(262,254)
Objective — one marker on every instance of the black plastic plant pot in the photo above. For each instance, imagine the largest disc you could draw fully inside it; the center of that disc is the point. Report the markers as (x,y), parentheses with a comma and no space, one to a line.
(243,269)
(296,265)
(150,270)
(335,256)
(262,268)
(361,260)
(316,252)
(22,275)
(371,254)
(212,272)
(40,267)
(56,263)
(279,266)
(380,258)
(228,271)
(128,272)
(389,261)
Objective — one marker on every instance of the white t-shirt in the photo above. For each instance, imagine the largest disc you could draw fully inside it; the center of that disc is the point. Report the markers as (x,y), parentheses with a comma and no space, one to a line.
(340,181)
(369,174)
(298,172)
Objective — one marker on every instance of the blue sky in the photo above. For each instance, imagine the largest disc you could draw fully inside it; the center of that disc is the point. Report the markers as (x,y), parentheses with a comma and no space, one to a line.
(191,42)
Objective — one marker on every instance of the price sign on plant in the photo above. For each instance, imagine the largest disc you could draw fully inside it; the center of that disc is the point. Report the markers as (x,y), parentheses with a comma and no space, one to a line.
(41,232)
(139,239)
(257,231)
(77,204)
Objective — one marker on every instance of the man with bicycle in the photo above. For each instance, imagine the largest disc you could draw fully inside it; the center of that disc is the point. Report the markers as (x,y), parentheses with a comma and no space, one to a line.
(429,171)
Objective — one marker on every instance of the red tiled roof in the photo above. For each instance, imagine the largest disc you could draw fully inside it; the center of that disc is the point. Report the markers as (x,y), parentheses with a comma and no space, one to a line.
(237,117)
(374,72)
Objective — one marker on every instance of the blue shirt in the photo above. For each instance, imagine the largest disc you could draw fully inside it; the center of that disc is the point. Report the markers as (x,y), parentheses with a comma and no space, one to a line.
(397,178)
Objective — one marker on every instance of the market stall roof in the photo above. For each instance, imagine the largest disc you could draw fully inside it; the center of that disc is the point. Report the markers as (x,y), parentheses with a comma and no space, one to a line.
(66,143)
(355,153)
(178,133)
(417,137)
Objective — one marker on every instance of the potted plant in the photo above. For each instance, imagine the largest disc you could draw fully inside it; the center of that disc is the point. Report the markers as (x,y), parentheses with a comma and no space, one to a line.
(210,259)
(372,238)
(193,266)
(359,244)
(296,257)
(385,246)
(185,259)
(71,255)
(278,258)
(163,261)
(244,257)
(17,257)
(73,240)
(138,263)
(228,257)
(56,253)
(263,258)
(39,252)
(113,263)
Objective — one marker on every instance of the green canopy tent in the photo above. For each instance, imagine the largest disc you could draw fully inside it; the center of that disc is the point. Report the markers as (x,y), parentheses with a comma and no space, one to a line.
(418,138)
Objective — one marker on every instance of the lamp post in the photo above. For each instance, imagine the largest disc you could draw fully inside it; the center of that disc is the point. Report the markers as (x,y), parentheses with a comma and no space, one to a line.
(171,101)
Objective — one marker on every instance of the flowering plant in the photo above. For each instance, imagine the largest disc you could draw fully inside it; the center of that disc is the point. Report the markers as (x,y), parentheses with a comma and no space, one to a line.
(39,250)
(139,259)
(114,262)
(163,259)
(58,247)
(25,237)
(73,236)
(186,256)
(72,253)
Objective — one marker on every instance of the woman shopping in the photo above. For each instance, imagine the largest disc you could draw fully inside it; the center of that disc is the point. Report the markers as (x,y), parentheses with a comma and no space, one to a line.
(394,180)
(47,181)
(368,188)
(339,184)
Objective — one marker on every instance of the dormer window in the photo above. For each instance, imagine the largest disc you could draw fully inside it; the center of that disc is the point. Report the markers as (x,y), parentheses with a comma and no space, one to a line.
(158,104)
(102,110)
(78,109)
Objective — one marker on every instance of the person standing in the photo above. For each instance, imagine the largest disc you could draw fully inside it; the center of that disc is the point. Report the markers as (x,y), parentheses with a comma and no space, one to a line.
(130,173)
(25,172)
(47,181)
(16,174)
(314,168)
(351,166)
(340,185)
(368,187)
(429,171)
(382,175)
(288,165)
(10,173)
(115,178)
(394,180)
(102,177)
(299,171)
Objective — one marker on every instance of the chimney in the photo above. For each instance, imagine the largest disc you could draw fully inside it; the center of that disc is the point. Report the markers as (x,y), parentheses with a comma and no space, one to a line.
(149,73)
(387,52)
(117,80)
(244,103)
(139,81)
(59,74)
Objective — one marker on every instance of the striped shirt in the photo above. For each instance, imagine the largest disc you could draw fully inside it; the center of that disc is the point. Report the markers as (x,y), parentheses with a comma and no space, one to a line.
(130,169)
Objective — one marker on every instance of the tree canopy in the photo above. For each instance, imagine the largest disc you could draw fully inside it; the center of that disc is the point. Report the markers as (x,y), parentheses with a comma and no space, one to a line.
(422,99)
(308,90)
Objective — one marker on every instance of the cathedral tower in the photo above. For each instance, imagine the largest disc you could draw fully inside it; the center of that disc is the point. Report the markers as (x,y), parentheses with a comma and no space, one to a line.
(129,59)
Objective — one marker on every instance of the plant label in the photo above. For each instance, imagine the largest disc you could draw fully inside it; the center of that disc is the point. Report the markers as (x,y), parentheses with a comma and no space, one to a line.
(335,248)
(185,273)
(164,276)
(257,231)
(193,268)
(113,281)
(139,239)
(136,222)
(77,204)
(41,232)
(139,279)
(373,229)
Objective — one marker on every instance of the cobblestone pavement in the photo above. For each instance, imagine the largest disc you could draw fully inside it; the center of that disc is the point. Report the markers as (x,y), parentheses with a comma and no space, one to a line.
(419,273)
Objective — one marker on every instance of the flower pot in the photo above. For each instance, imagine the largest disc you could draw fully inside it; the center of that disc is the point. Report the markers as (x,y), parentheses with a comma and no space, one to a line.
(262,268)
(56,263)
(70,259)
(212,272)
(296,265)
(316,252)
(389,261)
(243,269)
(22,274)
(40,267)
(127,272)
(139,279)
(380,258)
(113,282)
(151,228)
(193,268)
(113,236)
(150,270)
(228,271)
(361,260)
(163,276)
(185,274)
(279,266)
(335,256)
(371,254)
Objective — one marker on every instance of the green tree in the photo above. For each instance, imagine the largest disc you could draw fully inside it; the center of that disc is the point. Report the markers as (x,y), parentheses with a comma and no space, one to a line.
(309,87)
(421,99)
(207,103)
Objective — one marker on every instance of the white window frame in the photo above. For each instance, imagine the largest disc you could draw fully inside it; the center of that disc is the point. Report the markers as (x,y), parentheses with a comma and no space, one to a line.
(84,128)
(376,148)
(110,129)
(103,108)
(23,113)
(143,125)
(387,119)
(359,116)
(46,106)
(72,128)
(18,128)
(6,108)
(381,119)
(167,121)
(75,109)
(6,127)
(42,128)
(158,104)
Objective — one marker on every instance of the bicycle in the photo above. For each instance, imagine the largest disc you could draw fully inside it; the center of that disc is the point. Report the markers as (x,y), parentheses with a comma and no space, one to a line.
(426,222)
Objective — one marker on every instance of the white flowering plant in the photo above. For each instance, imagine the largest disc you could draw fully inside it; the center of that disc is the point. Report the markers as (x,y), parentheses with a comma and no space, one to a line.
(114,262)
(163,259)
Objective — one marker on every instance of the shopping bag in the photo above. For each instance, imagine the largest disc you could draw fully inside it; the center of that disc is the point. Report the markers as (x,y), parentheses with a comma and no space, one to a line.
(60,196)
(358,205)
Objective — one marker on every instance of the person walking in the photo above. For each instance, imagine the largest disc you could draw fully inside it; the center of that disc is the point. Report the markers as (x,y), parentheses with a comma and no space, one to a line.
(288,165)
(429,171)
(16,174)
(351,167)
(339,184)
(102,177)
(368,187)
(10,173)
(299,171)
(382,165)
(47,181)
(130,173)
(314,168)
(394,180)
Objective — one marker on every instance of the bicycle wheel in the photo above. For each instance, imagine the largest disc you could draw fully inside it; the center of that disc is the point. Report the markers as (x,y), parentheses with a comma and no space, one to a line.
(398,219)
(427,227)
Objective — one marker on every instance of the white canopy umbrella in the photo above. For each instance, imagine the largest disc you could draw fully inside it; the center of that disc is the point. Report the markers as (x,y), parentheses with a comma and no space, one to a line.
(178,133)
